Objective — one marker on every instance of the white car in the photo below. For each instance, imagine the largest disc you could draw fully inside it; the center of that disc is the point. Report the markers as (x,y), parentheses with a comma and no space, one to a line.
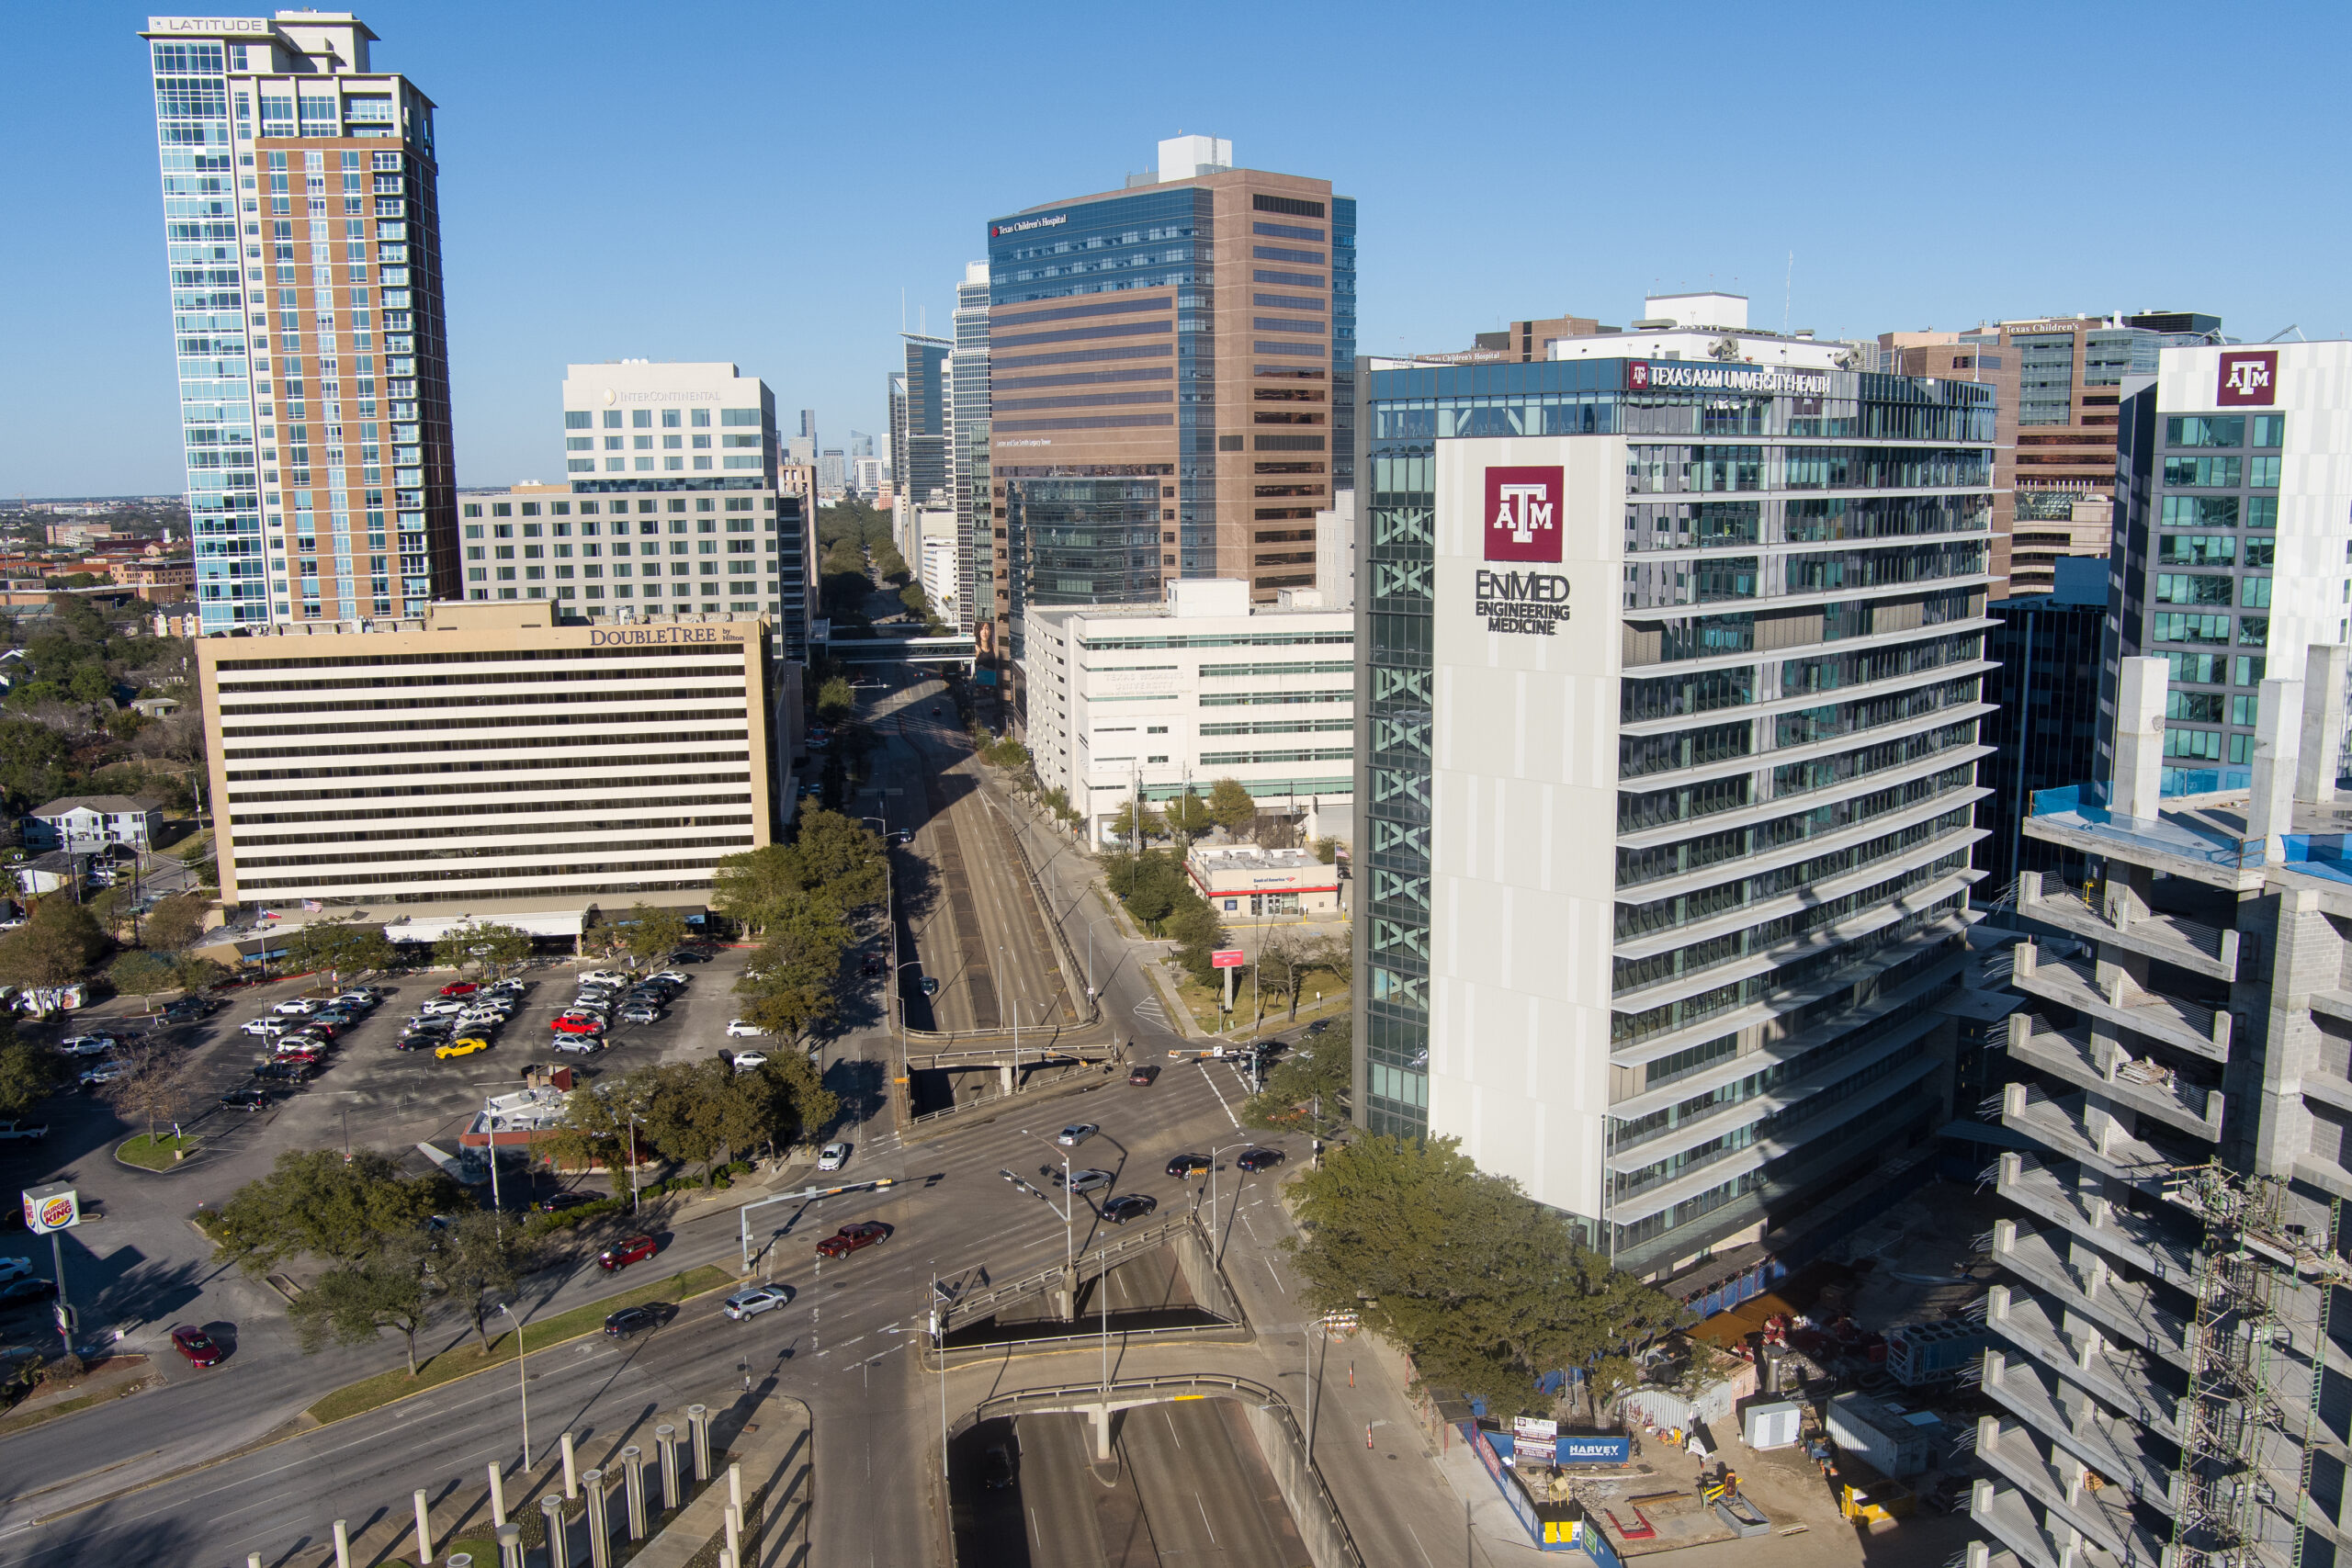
(750,1303)
(1076,1133)
(15,1268)
(579,1044)
(440,1007)
(301,1007)
(743,1028)
(673,977)
(105,1072)
(746,1060)
(602,977)
(832,1157)
(262,1026)
(98,1044)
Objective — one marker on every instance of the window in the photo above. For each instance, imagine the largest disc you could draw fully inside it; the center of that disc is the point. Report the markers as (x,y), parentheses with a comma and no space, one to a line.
(2173,626)
(2254,593)
(2201,473)
(2183,589)
(612,419)
(577,419)
(2202,511)
(2195,707)
(2269,430)
(642,443)
(2197,549)
(2262,473)
(2202,745)
(2207,430)
(699,419)
(640,419)
(2262,512)
(670,419)
(1295,205)
(739,416)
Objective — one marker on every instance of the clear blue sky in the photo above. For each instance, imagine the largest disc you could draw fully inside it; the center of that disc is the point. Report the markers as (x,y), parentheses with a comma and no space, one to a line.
(759,181)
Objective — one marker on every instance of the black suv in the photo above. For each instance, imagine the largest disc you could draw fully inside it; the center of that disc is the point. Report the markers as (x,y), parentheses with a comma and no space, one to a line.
(246,1100)
(289,1072)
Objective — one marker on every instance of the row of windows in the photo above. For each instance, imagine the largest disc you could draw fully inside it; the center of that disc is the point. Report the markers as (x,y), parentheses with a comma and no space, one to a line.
(466,702)
(540,879)
(2189,588)
(499,743)
(434,832)
(452,811)
(462,777)
(671,419)
(2220,511)
(1234,758)
(2185,625)
(2224,430)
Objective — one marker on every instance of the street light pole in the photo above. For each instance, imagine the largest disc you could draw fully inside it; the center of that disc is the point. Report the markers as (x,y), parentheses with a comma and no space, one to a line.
(1068,1203)
(522,1382)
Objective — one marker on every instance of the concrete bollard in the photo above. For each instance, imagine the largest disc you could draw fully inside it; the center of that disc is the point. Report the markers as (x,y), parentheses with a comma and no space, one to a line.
(665,1440)
(600,1528)
(570,1471)
(510,1546)
(735,1482)
(423,1527)
(461,1559)
(734,1530)
(559,1537)
(633,1481)
(252,1559)
(698,1422)
(341,1543)
(497,1494)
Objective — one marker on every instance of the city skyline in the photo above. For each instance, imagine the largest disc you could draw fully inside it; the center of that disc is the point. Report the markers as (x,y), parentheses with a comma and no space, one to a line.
(889,212)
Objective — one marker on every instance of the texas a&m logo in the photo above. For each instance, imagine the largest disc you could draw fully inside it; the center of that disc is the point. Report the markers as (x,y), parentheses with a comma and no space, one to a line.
(2248,378)
(1523,513)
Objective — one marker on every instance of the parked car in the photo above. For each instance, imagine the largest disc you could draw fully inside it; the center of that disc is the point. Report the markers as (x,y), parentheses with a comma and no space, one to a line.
(441,1007)
(289,1071)
(744,1305)
(603,976)
(743,1028)
(852,1238)
(296,1007)
(103,1073)
(306,1058)
(246,1100)
(1317,1027)
(631,1321)
(872,966)
(464,1047)
(579,1044)
(24,1292)
(1260,1159)
(746,1060)
(687,955)
(264,1027)
(672,977)
(557,1202)
(99,1044)
(1076,1133)
(641,1013)
(621,1254)
(15,1268)
(1143,1076)
(23,1130)
(201,1348)
(1189,1165)
(576,1023)
(832,1157)
(460,989)
(1129,1206)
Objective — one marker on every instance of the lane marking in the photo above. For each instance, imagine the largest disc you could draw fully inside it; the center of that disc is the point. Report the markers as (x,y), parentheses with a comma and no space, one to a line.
(1220,1101)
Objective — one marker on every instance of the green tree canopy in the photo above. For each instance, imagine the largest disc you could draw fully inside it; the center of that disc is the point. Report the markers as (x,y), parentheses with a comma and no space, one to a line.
(1188,816)
(1198,932)
(29,1073)
(479,1261)
(1486,1289)
(1133,822)
(1320,1066)
(483,946)
(352,1303)
(177,921)
(314,1201)
(1232,805)
(788,984)
(647,932)
(36,761)
(340,947)
(833,859)
(54,948)
(147,975)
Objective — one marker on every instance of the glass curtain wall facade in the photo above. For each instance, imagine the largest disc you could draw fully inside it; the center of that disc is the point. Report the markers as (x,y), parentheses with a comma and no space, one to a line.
(1802,623)
(969,387)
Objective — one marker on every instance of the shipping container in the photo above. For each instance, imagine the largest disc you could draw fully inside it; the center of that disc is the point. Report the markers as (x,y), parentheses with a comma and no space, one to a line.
(1881,1437)
(1920,1354)
(1770,1426)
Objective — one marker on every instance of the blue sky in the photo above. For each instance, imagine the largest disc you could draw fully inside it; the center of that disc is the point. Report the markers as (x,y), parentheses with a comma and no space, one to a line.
(760,183)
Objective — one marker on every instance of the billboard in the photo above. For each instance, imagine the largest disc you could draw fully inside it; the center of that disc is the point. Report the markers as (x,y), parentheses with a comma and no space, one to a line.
(55,1207)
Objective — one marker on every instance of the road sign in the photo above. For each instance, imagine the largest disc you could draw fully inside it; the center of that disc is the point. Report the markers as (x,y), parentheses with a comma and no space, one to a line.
(1226,958)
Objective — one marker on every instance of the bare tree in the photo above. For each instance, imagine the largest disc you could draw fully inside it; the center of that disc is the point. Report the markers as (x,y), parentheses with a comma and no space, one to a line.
(149,1087)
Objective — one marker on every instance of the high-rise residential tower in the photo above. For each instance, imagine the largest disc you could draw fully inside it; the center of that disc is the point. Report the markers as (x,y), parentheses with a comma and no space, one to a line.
(1731,609)
(302,231)
(1171,380)
(968,434)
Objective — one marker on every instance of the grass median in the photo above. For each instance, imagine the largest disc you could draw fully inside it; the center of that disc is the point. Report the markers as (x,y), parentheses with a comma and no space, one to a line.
(355,1399)
(159,1153)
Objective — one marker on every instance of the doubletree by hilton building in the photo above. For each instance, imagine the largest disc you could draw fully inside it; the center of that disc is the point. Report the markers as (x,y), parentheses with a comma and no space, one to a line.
(1733,613)
(1170,382)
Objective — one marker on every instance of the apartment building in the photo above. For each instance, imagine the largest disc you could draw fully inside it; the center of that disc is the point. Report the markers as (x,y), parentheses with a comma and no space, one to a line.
(302,235)
(1142,701)
(2232,551)
(1171,374)
(488,756)
(1731,604)
(2171,1352)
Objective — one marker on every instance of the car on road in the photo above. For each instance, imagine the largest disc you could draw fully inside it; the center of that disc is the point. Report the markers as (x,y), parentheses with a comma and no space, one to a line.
(746,1060)
(464,1047)
(24,1292)
(579,1044)
(577,1023)
(1076,1133)
(635,1320)
(998,1470)
(1317,1027)
(852,1238)
(902,836)
(246,1100)
(1260,1159)
(743,1028)
(621,1254)
(201,1348)
(557,1202)
(934,712)
(460,989)
(289,1071)
(99,1044)
(641,1013)
(1143,1076)
(23,1130)
(1085,1180)
(1189,1165)
(832,1157)
(929,987)
(1131,1206)
(747,1305)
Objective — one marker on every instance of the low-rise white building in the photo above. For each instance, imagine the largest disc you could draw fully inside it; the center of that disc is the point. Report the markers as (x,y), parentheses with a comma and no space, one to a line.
(1148,700)
(1249,881)
(83,823)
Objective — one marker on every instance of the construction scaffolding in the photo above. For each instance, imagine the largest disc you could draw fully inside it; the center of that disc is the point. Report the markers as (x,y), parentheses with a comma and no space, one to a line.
(2263,1287)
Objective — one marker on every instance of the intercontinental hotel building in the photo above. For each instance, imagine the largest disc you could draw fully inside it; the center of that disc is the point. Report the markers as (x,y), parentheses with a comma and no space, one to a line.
(1721,595)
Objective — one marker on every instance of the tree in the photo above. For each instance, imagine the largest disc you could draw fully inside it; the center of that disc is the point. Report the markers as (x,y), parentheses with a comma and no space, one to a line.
(1283,959)
(176,922)
(354,1302)
(1188,816)
(842,859)
(787,986)
(483,946)
(595,1128)
(315,1201)
(29,1073)
(481,1260)
(836,700)
(1232,805)
(1326,849)
(1198,933)
(200,974)
(1486,1289)
(147,975)
(36,762)
(150,1087)
(1137,823)
(54,948)
(339,947)
(647,932)
(1320,1068)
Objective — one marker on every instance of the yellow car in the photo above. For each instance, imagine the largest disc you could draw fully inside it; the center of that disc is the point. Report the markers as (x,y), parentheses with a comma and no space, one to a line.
(464,1047)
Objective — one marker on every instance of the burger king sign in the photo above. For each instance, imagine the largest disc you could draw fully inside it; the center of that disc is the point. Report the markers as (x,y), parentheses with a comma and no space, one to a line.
(53,1208)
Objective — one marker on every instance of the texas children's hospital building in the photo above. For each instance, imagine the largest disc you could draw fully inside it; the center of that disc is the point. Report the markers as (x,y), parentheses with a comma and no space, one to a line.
(1668,720)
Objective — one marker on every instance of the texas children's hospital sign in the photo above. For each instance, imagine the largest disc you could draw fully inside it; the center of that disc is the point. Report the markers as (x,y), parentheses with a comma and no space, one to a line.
(1523,512)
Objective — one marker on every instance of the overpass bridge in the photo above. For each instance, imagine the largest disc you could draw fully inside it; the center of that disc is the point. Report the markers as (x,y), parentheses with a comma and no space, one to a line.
(954,648)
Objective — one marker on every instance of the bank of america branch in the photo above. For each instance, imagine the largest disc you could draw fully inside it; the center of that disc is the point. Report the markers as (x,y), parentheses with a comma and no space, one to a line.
(1667,709)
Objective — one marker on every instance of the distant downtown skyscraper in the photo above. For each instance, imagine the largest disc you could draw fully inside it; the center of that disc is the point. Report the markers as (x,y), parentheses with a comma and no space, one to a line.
(303,231)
